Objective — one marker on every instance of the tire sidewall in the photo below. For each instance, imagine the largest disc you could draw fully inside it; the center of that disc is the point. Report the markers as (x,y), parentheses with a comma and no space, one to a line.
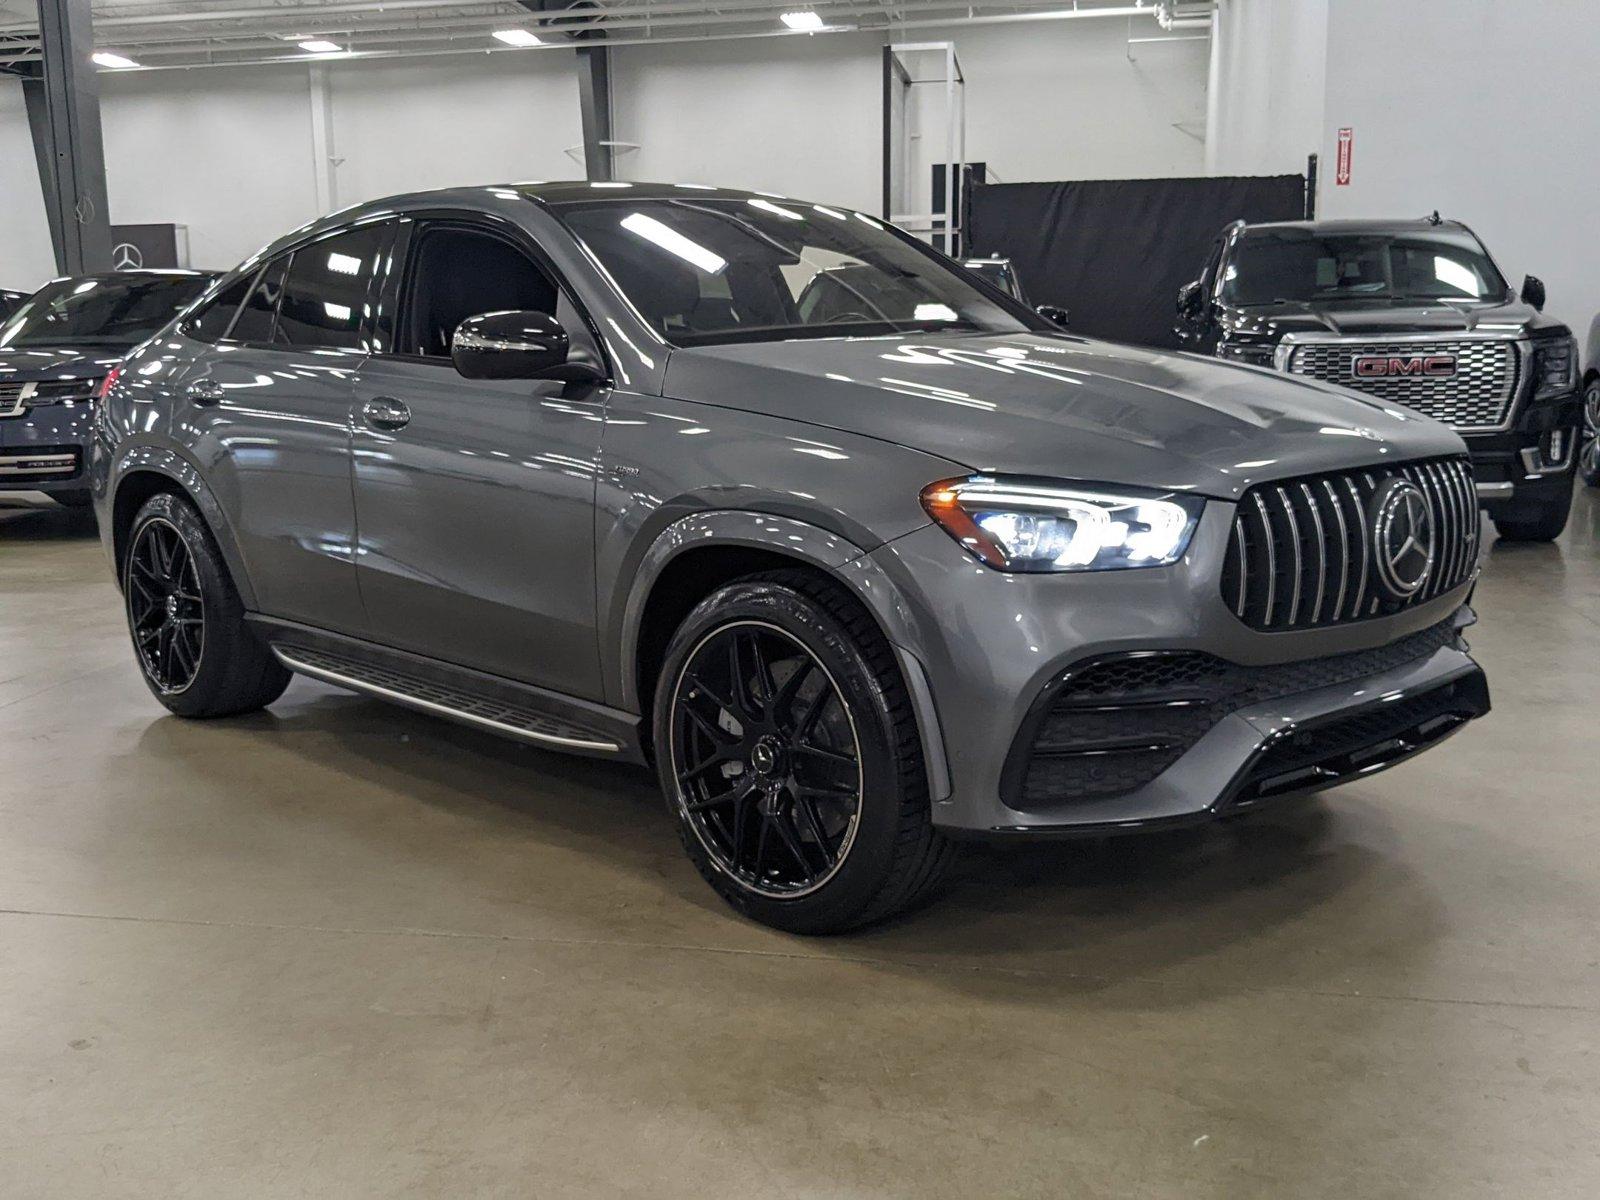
(869,858)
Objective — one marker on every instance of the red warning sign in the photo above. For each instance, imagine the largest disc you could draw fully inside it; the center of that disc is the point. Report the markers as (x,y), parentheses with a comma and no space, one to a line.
(1341,171)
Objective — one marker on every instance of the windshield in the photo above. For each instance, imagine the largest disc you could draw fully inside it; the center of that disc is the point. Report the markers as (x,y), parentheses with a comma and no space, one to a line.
(1270,266)
(76,312)
(710,270)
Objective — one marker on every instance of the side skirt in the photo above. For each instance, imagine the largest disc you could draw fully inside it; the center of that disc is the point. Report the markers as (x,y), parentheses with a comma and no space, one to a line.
(517,710)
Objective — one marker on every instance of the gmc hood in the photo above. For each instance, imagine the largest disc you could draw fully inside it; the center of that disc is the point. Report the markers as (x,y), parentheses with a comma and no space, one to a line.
(37,364)
(1061,406)
(1348,318)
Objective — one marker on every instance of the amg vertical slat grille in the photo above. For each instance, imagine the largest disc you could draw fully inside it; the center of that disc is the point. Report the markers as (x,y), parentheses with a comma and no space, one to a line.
(1301,554)
(1477,395)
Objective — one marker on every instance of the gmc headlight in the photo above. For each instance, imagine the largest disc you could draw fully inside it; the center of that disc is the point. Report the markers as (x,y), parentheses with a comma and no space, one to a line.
(1017,524)
(1256,354)
(1555,366)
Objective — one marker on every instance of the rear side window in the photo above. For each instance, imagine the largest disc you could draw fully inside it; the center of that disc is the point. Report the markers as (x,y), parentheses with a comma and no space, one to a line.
(211,322)
(260,311)
(325,294)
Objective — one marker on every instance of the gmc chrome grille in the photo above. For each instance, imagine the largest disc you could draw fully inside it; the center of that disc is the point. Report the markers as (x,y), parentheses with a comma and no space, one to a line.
(1303,551)
(1477,395)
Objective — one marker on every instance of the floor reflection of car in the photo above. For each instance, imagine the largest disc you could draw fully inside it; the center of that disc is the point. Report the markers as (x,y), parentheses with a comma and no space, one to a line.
(10,302)
(55,350)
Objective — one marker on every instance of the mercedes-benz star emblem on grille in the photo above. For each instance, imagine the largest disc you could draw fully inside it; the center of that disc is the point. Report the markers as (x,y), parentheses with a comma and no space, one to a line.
(1380,366)
(125,256)
(1402,537)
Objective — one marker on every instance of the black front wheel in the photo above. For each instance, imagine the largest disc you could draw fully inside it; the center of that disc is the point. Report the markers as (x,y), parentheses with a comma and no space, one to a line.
(788,751)
(1589,435)
(195,650)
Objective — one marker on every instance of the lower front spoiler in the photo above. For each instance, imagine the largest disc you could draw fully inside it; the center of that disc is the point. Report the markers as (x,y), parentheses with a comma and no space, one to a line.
(1305,751)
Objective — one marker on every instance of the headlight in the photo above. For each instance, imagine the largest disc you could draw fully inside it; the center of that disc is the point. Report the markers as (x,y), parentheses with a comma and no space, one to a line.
(1555,366)
(1016,524)
(1254,353)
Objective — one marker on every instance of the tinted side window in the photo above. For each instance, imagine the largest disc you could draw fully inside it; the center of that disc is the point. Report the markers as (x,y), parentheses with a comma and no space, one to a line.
(211,323)
(260,312)
(325,294)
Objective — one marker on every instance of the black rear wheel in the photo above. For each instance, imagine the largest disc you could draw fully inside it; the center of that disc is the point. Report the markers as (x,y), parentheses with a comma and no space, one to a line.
(1589,435)
(788,750)
(198,655)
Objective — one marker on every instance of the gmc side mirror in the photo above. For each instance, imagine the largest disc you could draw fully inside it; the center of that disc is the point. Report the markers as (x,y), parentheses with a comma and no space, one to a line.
(1189,299)
(1533,291)
(1053,313)
(517,345)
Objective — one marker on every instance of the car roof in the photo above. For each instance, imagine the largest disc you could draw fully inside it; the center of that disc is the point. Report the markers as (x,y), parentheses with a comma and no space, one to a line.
(1366,225)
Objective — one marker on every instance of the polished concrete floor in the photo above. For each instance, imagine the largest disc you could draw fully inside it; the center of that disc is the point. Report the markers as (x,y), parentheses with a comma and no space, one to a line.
(340,950)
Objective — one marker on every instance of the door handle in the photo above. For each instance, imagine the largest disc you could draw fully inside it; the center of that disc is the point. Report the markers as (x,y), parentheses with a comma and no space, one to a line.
(385,412)
(204,391)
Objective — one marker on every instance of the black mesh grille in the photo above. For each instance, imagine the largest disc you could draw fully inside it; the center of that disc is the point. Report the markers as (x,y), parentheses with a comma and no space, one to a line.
(1115,724)
(1476,394)
(1301,553)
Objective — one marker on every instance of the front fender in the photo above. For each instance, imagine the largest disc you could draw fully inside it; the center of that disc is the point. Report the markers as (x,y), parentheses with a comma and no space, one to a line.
(808,544)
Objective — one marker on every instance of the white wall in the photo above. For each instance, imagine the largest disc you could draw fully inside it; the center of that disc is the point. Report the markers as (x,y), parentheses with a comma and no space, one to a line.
(1268,70)
(1482,109)
(227,152)
(26,260)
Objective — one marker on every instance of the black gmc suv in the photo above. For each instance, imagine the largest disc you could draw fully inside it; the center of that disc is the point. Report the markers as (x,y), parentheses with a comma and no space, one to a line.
(1413,312)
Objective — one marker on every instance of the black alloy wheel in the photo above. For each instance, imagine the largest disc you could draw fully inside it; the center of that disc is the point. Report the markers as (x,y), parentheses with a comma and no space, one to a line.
(767,759)
(166,610)
(1589,435)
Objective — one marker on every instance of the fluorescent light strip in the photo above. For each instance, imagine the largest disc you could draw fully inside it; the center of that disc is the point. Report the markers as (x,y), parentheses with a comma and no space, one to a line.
(673,242)
(105,58)
(802,22)
(517,37)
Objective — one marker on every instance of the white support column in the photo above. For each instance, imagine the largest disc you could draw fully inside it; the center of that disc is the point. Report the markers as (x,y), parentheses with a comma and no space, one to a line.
(324,166)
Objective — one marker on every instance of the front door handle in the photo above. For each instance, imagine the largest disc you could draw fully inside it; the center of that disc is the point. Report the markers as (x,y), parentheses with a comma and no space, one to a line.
(204,391)
(387,413)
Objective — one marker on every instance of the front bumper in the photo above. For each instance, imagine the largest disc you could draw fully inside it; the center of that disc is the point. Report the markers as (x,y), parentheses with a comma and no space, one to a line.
(1532,463)
(988,649)
(46,449)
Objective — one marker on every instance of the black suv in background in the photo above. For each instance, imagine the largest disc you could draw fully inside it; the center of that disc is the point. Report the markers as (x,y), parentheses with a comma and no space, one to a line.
(56,350)
(1413,312)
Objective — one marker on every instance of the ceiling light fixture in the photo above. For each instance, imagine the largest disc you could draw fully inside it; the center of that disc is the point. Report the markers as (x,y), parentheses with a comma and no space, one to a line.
(321,46)
(105,58)
(517,37)
(802,22)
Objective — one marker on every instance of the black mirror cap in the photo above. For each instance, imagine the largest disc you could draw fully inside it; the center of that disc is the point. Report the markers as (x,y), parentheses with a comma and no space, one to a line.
(1053,313)
(512,345)
(1533,292)
(1189,298)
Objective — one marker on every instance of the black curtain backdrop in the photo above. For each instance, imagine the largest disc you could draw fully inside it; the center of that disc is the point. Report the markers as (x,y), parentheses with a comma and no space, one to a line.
(1115,251)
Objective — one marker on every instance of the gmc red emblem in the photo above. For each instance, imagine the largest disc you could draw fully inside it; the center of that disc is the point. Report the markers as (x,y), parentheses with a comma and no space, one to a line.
(1376,366)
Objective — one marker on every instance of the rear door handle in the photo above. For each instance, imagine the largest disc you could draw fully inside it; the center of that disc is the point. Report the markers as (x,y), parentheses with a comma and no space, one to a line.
(204,391)
(385,412)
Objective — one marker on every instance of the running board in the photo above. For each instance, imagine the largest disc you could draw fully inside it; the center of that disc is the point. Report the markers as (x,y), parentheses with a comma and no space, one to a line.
(414,691)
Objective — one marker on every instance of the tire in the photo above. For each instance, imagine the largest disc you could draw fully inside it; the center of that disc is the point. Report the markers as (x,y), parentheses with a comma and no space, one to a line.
(1535,522)
(1589,435)
(79,499)
(201,659)
(813,636)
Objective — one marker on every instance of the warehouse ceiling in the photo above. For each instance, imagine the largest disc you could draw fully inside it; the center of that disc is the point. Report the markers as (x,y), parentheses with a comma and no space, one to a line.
(161,34)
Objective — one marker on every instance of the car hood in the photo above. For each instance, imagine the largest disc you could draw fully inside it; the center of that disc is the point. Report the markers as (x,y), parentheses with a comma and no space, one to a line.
(1065,407)
(1346,318)
(41,364)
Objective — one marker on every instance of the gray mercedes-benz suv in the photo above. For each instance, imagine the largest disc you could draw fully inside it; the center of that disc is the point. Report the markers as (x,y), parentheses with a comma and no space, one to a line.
(578,464)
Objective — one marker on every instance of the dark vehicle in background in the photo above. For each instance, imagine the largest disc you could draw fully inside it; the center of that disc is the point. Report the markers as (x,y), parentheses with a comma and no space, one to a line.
(55,351)
(864,556)
(998,272)
(10,302)
(1589,435)
(1415,313)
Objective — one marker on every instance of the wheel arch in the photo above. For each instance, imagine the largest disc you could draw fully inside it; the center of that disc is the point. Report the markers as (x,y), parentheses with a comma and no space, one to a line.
(699,553)
(149,472)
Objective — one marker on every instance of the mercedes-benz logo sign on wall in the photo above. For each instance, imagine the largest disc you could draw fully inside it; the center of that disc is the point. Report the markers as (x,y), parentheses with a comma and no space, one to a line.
(125,256)
(1402,538)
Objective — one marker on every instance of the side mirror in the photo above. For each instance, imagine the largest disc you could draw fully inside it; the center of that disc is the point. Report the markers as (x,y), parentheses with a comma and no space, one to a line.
(1189,299)
(517,345)
(1053,312)
(1533,291)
